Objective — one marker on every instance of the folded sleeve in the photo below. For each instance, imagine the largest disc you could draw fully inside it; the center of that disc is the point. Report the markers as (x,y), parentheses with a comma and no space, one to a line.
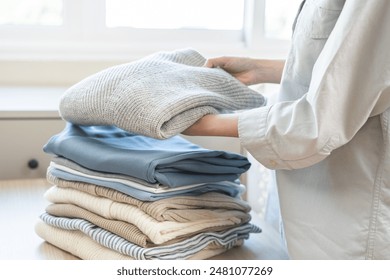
(350,83)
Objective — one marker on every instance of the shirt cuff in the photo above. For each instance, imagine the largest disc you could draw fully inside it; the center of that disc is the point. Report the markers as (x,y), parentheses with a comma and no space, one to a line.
(252,130)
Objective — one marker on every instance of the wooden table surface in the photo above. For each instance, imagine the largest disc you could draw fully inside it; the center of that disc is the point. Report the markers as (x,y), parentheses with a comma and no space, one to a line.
(21,203)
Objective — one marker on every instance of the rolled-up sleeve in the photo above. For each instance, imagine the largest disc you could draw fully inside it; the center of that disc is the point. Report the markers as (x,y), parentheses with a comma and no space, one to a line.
(350,82)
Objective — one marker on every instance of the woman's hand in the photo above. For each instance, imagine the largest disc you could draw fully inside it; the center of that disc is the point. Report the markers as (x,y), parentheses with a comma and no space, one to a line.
(215,125)
(248,70)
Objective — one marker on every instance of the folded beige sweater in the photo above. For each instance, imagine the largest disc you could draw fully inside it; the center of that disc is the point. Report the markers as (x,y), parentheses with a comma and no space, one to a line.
(84,247)
(178,208)
(158,232)
(125,230)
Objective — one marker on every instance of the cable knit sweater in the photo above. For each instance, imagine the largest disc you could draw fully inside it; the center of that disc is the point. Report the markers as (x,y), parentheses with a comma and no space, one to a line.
(158,96)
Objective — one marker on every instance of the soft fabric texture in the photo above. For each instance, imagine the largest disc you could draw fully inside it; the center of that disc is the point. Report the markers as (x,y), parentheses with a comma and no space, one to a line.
(178,208)
(59,177)
(58,161)
(171,162)
(132,183)
(158,232)
(184,249)
(84,247)
(158,96)
(123,229)
(126,230)
(76,243)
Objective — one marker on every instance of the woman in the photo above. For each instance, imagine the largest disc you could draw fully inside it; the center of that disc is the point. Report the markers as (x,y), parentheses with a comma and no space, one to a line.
(328,136)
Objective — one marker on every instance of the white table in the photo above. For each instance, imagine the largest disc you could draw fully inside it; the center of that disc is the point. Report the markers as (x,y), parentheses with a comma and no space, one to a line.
(22,201)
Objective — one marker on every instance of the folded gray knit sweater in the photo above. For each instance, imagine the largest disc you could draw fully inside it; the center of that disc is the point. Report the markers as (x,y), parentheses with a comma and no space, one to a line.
(158,96)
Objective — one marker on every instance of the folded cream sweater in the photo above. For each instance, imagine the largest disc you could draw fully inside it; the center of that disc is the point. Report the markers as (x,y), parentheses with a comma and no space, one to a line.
(158,96)
(158,232)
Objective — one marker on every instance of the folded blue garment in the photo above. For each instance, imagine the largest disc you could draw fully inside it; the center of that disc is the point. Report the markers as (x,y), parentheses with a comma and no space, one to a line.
(225,187)
(172,162)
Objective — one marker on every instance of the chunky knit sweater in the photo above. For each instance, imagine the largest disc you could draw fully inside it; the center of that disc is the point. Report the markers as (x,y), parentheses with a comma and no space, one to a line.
(158,96)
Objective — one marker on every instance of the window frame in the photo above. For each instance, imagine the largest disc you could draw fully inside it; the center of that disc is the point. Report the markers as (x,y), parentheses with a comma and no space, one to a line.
(83,35)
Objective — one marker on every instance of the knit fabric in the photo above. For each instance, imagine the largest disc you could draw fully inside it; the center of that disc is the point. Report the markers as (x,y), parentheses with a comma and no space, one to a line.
(126,230)
(177,209)
(184,249)
(158,232)
(158,96)
(84,247)
(76,243)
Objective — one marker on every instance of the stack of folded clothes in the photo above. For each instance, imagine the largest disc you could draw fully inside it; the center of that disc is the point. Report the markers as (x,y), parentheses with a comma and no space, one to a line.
(119,195)
(126,185)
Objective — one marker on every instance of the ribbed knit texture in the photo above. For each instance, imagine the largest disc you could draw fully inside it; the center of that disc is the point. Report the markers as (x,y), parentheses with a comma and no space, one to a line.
(85,247)
(158,232)
(158,96)
(185,249)
(178,208)
(76,243)
(125,230)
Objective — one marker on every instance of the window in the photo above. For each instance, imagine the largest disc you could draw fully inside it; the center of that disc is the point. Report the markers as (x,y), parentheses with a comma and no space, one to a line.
(116,27)
(33,32)
(176,14)
(37,12)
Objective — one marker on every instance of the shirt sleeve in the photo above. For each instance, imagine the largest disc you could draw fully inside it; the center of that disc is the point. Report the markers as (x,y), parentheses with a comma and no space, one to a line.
(350,83)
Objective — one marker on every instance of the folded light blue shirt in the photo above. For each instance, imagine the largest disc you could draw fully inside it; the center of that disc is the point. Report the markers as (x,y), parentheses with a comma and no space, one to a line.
(233,189)
(172,162)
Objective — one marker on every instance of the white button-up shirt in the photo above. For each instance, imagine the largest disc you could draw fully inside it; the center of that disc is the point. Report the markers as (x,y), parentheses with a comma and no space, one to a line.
(328,136)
